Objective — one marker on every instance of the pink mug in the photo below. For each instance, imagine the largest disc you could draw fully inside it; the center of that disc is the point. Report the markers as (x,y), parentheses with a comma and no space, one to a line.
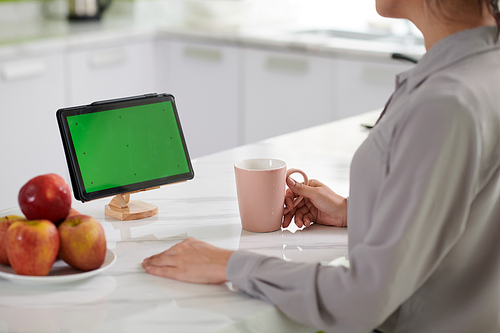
(260,186)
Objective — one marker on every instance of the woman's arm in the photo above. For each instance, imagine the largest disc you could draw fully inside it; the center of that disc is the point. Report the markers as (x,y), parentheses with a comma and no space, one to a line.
(419,215)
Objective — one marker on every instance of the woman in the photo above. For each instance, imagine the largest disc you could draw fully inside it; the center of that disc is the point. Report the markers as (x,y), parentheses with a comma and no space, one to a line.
(424,204)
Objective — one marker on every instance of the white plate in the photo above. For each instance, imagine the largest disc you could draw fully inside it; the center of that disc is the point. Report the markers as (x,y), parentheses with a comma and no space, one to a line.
(60,272)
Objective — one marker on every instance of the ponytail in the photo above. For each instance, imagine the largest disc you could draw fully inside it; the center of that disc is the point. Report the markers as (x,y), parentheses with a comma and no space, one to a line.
(493,8)
(445,5)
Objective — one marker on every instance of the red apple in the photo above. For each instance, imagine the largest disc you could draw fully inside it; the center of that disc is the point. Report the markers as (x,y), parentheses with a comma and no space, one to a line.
(32,246)
(5,223)
(45,197)
(83,242)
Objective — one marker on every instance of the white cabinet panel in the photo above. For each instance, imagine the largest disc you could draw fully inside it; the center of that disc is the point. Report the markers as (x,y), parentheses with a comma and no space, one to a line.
(204,80)
(364,85)
(113,72)
(31,91)
(285,92)
(225,95)
(162,66)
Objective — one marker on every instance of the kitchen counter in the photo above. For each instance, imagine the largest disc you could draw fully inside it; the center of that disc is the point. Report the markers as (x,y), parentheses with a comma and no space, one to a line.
(49,35)
(124,298)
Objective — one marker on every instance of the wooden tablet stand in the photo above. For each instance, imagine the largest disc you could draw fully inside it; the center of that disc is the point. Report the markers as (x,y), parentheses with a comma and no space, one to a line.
(122,208)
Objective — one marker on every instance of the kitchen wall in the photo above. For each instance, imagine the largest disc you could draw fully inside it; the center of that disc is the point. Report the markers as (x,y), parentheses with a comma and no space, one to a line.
(357,15)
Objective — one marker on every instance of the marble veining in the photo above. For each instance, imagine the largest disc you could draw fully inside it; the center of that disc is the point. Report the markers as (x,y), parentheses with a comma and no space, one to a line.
(126,299)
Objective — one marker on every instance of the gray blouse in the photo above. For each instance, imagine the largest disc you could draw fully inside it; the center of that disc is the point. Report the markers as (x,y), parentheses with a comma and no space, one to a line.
(423,210)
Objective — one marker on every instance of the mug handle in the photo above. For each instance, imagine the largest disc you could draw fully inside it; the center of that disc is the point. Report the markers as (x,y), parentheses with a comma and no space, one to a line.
(299,199)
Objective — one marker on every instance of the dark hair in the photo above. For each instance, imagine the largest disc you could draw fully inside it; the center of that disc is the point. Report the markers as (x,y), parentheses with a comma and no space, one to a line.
(444,6)
(493,8)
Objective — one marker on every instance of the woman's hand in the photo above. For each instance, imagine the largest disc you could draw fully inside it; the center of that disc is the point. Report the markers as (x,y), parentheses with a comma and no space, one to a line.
(190,261)
(320,205)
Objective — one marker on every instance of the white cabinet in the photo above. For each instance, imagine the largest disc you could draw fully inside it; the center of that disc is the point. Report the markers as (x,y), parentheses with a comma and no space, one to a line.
(31,91)
(364,85)
(285,92)
(204,79)
(112,72)
(226,95)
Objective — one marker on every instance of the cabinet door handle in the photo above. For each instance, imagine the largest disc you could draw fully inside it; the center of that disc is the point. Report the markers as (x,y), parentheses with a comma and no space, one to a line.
(23,70)
(199,53)
(290,65)
(107,58)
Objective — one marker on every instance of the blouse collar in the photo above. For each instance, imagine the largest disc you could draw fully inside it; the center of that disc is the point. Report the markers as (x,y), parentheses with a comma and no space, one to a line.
(448,51)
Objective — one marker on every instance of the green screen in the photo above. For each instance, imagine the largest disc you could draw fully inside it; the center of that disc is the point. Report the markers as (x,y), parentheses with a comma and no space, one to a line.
(126,146)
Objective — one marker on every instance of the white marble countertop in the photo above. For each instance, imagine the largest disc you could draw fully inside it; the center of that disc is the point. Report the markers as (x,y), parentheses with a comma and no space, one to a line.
(124,298)
(51,35)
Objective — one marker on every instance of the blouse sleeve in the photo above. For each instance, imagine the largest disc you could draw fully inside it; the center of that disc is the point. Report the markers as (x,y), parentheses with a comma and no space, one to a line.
(420,212)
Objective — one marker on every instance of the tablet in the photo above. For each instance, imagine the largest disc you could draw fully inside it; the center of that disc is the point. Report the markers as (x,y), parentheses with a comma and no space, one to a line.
(123,145)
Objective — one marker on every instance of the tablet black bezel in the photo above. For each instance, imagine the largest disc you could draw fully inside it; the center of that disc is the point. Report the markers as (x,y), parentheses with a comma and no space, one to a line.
(100,106)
